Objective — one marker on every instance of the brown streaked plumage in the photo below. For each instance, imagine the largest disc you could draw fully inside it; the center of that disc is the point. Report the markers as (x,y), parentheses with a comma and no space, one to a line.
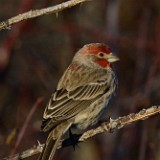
(82,95)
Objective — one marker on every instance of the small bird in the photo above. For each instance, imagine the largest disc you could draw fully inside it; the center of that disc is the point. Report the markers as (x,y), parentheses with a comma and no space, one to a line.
(81,96)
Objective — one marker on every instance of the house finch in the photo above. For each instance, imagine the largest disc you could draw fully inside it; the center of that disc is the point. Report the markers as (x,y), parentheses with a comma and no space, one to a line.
(81,96)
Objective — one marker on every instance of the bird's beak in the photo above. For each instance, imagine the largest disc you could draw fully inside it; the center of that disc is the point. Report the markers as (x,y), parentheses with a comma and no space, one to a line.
(112,58)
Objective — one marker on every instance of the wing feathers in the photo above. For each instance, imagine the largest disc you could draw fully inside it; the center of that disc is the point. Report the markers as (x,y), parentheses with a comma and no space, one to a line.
(68,102)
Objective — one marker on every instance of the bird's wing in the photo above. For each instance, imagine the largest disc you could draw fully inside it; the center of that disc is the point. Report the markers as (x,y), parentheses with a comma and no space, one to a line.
(68,101)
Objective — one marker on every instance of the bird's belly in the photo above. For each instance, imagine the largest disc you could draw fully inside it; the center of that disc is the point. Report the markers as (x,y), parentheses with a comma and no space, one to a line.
(90,116)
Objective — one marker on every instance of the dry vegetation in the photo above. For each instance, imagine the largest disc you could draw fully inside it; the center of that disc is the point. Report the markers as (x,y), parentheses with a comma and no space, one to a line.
(34,54)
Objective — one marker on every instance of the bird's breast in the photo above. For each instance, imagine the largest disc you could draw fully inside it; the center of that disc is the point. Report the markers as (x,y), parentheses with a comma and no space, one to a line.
(91,115)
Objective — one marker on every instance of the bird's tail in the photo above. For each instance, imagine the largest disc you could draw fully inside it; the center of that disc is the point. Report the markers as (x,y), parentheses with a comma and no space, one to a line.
(53,141)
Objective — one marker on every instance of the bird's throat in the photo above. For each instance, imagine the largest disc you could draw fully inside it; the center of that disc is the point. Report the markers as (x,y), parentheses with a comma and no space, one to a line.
(103,63)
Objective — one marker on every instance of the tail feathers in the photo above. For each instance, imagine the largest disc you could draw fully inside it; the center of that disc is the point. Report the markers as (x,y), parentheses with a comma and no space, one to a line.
(52,153)
(53,141)
(47,150)
(50,149)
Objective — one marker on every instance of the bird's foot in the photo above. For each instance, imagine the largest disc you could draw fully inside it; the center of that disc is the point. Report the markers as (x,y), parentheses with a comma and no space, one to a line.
(74,139)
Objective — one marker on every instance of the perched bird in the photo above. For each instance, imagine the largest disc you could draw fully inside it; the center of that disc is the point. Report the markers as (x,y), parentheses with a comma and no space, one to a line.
(82,95)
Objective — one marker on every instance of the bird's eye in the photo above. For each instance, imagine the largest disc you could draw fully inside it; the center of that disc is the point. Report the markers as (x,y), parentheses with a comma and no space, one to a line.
(101,54)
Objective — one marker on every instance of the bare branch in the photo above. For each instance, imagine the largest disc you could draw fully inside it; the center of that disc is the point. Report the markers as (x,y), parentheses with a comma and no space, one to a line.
(121,122)
(39,12)
(25,154)
(106,126)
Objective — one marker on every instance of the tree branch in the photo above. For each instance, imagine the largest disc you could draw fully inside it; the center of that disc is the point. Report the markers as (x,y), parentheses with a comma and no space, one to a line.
(112,125)
(39,12)
(121,122)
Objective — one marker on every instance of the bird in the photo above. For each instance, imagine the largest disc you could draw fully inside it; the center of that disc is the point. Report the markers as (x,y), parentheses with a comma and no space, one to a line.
(81,96)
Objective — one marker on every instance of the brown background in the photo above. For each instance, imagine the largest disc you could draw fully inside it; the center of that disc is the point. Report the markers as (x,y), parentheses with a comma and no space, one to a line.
(35,53)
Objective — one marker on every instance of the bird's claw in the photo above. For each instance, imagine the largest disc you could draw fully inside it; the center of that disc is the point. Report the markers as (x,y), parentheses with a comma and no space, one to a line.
(73,139)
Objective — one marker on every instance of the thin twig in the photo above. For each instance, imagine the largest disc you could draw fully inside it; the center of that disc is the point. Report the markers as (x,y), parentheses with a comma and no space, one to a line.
(25,154)
(106,126)
(39,12)
(26,123)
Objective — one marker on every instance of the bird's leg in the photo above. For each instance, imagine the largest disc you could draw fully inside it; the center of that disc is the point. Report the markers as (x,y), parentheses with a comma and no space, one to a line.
(73,138)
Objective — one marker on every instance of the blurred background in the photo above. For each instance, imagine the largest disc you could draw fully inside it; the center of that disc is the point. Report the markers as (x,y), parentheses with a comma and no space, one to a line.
(35,53)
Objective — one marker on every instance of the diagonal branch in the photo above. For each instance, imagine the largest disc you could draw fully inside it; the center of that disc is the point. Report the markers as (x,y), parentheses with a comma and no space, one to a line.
(121,122)
(39,12)
(26,123)
(106,126)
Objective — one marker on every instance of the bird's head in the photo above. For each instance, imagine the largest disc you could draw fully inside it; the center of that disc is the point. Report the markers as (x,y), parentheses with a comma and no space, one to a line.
(96,54)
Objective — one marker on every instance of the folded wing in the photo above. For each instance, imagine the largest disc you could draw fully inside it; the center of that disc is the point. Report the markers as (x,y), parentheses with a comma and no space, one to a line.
(67,102)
